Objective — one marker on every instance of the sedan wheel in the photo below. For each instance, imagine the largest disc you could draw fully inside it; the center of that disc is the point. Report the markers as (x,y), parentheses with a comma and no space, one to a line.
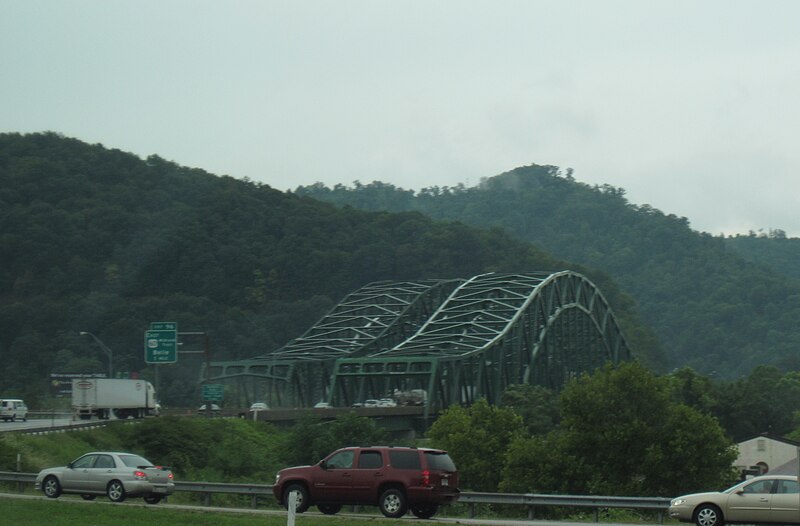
(88,497)
(152,499)
(393,503)
(51,487)
(116,491)
(708,515)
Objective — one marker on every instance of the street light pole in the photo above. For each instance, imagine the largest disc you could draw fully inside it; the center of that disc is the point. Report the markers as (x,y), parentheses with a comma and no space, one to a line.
(105,349)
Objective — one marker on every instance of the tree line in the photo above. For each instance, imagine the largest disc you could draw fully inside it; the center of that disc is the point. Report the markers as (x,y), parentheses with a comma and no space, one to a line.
(98,240)
(719,305)
(616,431)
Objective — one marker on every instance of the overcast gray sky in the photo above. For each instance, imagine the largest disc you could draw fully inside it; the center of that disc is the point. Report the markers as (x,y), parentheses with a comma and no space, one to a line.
(692,107)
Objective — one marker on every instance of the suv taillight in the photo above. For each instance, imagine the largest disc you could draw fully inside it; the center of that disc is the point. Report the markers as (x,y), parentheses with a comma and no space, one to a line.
(171,476)
(426,478)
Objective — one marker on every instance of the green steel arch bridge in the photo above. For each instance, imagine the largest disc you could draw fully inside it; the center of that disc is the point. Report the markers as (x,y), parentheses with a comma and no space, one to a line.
(434,343)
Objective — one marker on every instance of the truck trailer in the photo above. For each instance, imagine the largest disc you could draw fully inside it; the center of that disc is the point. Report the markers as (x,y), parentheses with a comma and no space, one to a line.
(113,398)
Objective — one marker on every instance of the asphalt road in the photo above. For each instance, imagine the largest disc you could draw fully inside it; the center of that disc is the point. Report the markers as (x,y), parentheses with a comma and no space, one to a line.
(34,423)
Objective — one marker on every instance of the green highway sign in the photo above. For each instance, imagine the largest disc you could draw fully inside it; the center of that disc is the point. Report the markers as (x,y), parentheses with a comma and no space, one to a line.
(161,342)
(164,326)
(213,392)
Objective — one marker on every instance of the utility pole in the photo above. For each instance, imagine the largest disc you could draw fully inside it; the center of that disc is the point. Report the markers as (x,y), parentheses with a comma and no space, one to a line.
(106,349)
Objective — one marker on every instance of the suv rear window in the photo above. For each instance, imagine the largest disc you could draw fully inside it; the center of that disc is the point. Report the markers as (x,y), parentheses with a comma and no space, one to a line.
(405,460)
(439,461)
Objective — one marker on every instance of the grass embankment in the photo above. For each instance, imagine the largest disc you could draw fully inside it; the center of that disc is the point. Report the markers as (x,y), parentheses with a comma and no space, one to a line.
(62,512)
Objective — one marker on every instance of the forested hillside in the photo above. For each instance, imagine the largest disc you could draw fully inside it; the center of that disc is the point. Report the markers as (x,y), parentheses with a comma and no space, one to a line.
(711,308)
(774,251)
(99,240)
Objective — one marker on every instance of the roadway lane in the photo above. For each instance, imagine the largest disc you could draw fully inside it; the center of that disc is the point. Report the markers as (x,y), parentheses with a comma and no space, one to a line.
(35,424)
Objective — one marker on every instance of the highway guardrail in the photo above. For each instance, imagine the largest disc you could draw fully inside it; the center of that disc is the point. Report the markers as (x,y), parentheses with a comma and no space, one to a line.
(530,500)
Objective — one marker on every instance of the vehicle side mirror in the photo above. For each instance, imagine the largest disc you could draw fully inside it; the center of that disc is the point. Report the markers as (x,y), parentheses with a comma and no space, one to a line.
(323,464)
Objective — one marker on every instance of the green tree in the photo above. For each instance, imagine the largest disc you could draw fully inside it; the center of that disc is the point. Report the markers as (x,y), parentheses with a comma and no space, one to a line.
(692,389)
(537,405)
(622,434)
(311,439)
(764,401)
(477,438)
(346,430)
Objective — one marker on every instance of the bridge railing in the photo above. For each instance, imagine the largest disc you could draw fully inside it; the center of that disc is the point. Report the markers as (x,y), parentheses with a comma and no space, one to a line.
(472,499)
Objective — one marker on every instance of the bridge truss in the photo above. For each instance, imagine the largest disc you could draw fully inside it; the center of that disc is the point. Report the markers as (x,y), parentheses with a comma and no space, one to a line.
(449,341)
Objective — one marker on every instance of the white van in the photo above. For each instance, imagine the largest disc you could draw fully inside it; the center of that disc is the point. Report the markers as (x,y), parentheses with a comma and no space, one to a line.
(13,408)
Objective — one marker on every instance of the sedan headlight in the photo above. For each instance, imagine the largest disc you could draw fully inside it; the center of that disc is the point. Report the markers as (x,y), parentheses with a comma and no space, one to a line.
(677,502)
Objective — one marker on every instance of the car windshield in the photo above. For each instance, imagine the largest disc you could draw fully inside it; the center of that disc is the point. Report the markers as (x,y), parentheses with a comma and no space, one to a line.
(134,461)
(438,460)
(736,487)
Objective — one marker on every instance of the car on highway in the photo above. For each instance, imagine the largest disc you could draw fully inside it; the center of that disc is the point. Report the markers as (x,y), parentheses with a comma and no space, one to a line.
(214,409)
(116,475)
(13,408)
(396,479)
(259,406)
(759,500)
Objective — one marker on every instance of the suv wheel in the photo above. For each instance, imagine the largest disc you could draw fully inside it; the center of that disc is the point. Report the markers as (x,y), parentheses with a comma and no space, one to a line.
(424,511)
(329,509)
(302,503)
(393,503)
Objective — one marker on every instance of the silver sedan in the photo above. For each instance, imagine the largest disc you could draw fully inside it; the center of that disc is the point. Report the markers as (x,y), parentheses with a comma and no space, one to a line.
(764,499)
(117,475)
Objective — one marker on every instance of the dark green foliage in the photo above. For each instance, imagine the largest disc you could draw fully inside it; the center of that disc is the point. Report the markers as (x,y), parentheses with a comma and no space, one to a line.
(311,439)
(477,438)
(537,405)
(199,449)
(98,240)
(773,250)
(710,308)
(8,457)
(621,434)
(765,401)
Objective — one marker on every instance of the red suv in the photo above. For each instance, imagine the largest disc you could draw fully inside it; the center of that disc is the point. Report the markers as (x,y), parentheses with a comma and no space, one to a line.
(395,479)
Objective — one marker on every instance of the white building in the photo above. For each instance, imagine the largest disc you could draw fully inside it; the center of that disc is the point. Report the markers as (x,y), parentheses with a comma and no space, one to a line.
(768,453)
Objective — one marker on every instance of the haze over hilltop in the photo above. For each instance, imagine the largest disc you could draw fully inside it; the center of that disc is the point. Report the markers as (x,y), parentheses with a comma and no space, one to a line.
(689,106)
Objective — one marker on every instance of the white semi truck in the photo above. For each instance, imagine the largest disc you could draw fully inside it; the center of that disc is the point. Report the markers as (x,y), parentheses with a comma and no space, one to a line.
(113,398)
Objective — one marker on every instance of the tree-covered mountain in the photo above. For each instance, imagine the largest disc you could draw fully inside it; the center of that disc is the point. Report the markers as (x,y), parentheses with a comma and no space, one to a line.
(712,308)
(773,250)
(101,241)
